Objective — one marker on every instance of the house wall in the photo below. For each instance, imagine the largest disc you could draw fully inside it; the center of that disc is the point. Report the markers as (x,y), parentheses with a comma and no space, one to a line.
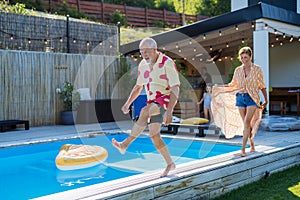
(238,4)
(284,65)
(287,4)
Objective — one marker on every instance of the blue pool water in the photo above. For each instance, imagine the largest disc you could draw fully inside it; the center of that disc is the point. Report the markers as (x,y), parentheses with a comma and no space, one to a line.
(30,171)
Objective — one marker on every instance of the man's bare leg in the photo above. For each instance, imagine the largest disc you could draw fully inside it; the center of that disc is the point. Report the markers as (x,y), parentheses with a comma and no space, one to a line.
(170,164)
(137,129)
(122,146)
(161,147)
(135,132)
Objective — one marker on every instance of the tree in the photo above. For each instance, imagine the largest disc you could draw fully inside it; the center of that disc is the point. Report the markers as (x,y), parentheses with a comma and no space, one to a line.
(164,4)
(213,7)
(134,3)
(117,16)
(190,6)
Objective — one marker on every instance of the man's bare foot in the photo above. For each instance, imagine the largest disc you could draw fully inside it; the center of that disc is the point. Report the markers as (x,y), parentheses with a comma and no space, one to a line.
(252,149)
(168,169)
(118,145)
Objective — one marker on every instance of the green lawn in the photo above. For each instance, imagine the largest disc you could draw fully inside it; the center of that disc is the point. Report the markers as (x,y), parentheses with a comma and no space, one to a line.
(283,185)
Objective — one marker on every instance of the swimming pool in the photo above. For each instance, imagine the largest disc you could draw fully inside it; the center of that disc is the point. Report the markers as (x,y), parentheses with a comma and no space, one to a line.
(29,171)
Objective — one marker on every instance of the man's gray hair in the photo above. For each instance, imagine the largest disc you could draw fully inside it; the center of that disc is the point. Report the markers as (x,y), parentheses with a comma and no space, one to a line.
(151,42)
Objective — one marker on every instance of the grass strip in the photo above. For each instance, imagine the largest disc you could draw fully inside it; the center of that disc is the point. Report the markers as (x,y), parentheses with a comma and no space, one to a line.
(284,185)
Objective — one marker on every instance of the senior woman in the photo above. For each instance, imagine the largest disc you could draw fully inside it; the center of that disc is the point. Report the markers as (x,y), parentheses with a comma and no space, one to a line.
(247,82)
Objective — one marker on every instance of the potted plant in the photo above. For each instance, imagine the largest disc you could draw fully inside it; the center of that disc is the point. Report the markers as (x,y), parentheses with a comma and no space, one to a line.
(70,99)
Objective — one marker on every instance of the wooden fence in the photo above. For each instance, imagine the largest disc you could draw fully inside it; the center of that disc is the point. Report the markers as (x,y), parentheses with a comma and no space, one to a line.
(28,81)
(136,17)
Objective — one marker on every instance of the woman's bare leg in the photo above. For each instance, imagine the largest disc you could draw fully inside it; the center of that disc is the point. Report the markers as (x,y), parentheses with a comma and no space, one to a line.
(247,128)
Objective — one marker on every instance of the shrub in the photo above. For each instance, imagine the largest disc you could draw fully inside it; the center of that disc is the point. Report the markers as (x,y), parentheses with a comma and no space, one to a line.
(69,96)
(117,16)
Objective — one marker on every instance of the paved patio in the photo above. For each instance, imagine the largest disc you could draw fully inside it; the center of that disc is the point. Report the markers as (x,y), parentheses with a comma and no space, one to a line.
(57,132)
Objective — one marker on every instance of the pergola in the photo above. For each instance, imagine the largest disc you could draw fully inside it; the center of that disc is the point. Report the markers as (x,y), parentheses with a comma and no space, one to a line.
(216,39)
(215,42)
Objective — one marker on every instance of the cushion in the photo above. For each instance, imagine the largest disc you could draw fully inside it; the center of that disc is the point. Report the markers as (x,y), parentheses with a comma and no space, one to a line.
(194,121)
(278,127)
(294,125)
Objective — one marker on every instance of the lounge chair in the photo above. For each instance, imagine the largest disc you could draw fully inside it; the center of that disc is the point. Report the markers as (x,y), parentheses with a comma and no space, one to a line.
(13,124)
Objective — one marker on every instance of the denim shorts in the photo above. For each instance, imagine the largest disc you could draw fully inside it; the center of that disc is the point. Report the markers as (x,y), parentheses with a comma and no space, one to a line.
(244,100)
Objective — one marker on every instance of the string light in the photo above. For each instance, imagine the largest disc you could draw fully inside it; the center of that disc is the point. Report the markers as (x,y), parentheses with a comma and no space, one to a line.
(266,26)
(176,46)
(277,33)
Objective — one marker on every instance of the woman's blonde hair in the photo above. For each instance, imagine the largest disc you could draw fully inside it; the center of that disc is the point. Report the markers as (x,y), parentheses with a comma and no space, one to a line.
(246,50)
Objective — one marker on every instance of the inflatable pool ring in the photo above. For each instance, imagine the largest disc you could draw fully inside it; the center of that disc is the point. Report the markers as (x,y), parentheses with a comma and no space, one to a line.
(72,156)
